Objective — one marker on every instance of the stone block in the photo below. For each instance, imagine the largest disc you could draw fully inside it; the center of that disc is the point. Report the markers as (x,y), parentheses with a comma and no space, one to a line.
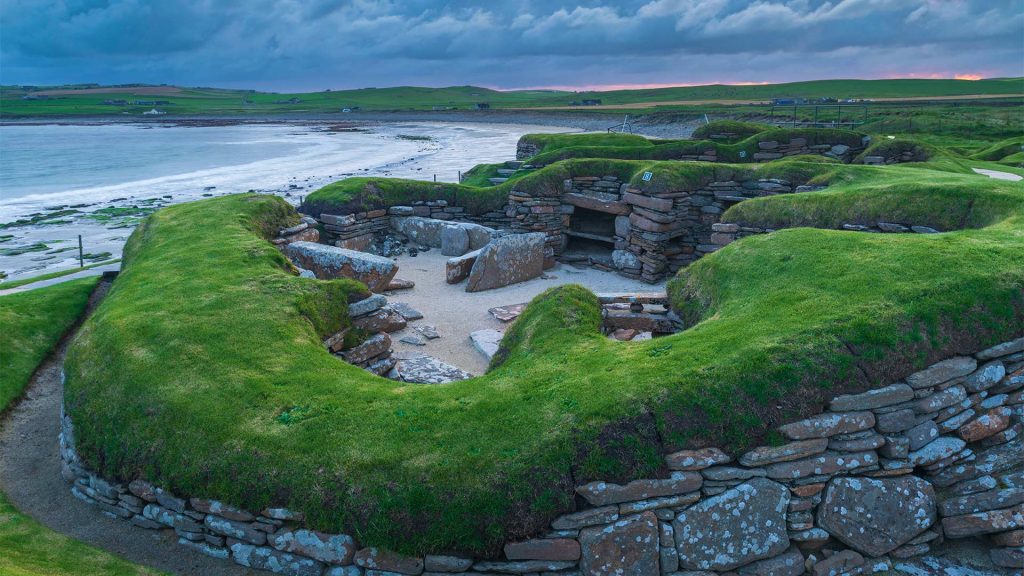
(735,528)
(332,262)
(263,558)
(602,493)
(507,260)
(454,241)
(628,546)
(942,372)
(329,548)
(876,516)
(457,269)
(828,424)
(561,549)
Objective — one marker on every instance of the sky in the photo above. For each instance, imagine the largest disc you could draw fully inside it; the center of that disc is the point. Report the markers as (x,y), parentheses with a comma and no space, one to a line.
(293,45)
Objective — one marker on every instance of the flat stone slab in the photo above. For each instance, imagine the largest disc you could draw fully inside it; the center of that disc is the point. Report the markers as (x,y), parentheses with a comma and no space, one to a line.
(507,313)
(876,516)
(735,528)
(632,297)
(508,260)
(332,262)
(406,311)
(422,369)
(486,341)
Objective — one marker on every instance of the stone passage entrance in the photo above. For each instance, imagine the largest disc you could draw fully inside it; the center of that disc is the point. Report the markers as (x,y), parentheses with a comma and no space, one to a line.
(591,234)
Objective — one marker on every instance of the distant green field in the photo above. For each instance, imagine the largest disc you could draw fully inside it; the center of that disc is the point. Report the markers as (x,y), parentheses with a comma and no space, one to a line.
(188,101)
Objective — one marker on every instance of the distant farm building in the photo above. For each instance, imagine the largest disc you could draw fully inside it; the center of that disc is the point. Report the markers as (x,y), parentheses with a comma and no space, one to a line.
(789,101)
(153,112)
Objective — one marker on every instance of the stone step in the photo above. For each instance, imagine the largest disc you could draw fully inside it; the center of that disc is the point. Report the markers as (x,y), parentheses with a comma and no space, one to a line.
(506,171)
(497,181)
(633,297)
(514,164)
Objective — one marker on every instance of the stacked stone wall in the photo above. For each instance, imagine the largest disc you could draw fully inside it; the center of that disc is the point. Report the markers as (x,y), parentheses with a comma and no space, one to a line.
(876,478)
(655,233)
(357,230)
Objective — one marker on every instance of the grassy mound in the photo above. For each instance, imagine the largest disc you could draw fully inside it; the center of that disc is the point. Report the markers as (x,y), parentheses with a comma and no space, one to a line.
(33,323)
(207,326)
(742,150)
(1010,151)
(734,130)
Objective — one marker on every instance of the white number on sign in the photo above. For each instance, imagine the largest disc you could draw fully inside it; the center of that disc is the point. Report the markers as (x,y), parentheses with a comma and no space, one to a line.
(647,176)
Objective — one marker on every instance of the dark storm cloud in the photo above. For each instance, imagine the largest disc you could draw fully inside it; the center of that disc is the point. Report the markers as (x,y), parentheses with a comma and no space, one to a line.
(334,43)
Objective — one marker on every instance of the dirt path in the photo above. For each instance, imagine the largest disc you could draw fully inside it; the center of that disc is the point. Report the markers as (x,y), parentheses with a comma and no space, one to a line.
(30,476)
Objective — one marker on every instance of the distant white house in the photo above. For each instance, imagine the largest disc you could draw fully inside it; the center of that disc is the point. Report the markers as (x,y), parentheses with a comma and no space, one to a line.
(153,112)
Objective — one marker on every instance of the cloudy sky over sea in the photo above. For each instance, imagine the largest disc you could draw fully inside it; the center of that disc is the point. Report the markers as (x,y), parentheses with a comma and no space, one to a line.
(312,45)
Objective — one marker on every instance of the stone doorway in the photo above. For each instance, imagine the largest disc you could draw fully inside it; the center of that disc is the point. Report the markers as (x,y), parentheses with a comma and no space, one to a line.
(591,233)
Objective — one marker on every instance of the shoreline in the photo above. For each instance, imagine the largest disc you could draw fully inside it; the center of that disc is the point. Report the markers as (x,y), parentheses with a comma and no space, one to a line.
(654,125)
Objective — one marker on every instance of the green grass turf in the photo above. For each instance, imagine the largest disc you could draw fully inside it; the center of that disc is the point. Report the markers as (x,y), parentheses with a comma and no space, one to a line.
(23,281)
(215,101)
(207,325)
(33,322)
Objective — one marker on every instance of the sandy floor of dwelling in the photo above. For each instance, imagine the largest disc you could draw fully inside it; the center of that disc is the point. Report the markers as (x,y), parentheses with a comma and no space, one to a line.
(455,313)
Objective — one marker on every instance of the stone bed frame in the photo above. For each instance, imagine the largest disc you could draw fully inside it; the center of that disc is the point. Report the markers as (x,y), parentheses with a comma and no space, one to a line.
(880,476)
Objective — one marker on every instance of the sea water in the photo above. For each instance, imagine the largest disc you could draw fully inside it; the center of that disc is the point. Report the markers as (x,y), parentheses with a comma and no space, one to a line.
(94,167)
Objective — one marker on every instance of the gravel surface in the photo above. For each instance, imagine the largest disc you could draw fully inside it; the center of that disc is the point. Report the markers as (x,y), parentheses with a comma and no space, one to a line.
(455,313)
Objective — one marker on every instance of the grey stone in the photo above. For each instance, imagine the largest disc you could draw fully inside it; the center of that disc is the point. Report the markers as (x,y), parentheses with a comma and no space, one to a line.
(940,400)
(412,340)
(1004,349)
(367,305)
(985,377)
(428,331)
(764,455)
(454,241)
(626,260)
(789,563)
(1008,557)
(329,548)
(170,518)
(697,459)
(438,563)
(989,522)
(422,231)
(333,262)
(584,518)
(827,463)
(828,424)
(922,434)
(924,230)
(937,450)
(876,516)
(897,421)
(628,546)
(602,493)
(221,509)
(522,566)
(458,269)
(508,260)
(381,559)
(737,527)
(981,502)
(406,311)
(942,372)
(262,558)
(486,341)
(427,370)
(877,398)
(205,548)
(232,529)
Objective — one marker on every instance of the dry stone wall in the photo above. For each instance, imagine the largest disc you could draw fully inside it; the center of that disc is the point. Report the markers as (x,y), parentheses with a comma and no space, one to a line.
(654,233)
(876,478)
(767,150)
